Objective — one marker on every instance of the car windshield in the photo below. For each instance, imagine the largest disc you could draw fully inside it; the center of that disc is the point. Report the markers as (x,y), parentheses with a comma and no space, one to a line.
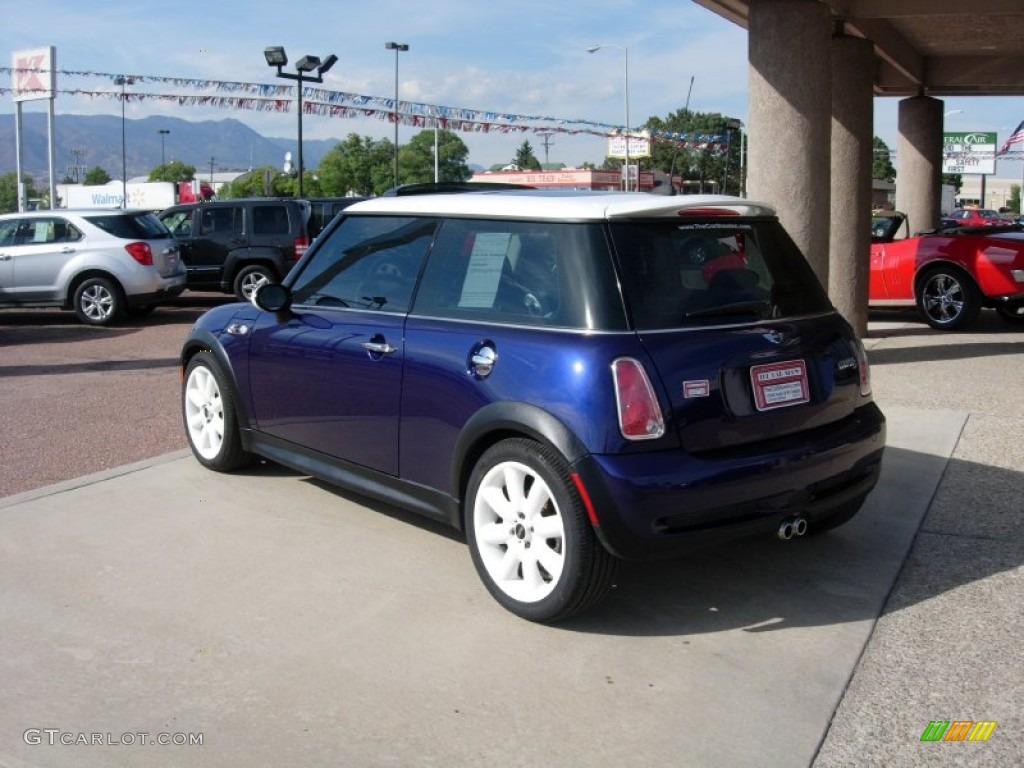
(677,274)
(130,226)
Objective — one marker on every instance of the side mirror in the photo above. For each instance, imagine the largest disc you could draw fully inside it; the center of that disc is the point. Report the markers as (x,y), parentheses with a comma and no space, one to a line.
(272,297)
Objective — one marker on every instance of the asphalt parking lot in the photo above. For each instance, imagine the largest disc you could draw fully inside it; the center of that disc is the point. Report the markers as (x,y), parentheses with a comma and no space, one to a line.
(292,624)
(76,399)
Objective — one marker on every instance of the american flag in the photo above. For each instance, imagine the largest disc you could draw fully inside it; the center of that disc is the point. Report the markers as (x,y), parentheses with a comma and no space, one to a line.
(1017,137)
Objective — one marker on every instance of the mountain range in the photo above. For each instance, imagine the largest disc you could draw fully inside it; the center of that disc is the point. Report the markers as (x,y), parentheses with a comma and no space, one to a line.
(82,142)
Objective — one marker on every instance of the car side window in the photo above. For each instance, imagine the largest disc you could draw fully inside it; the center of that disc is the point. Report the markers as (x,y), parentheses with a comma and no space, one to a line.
(220,221)
(494,270)
(270,220)
(8,230)
(40,231)
(368,262)
(179,223)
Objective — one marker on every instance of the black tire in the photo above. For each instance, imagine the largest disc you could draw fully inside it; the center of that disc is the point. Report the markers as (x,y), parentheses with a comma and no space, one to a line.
(210,417)
(948,299)
(567,570)
(98,301)
(1011,313)
(250,278)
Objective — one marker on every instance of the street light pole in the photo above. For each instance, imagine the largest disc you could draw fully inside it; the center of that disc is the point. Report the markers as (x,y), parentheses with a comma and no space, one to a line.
(276,57)
(625,58)
(123,80)
(163,155)
(397,48)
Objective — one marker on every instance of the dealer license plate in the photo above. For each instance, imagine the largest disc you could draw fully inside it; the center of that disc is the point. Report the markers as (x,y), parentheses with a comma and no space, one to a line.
(778,385)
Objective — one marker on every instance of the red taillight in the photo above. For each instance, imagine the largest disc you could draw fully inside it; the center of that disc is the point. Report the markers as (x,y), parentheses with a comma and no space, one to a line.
(639,413)
(864,368)
(301,245)
(141,253)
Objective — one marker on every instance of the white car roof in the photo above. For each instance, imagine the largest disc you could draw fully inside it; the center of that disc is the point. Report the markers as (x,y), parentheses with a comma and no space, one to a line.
(563,206)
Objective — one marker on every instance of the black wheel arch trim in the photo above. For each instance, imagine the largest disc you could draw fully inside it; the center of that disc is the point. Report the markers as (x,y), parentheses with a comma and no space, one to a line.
(241,258)
(497,421)
(202,340)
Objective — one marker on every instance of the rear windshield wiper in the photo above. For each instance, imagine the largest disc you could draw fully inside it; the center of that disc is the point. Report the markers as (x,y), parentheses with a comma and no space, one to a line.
(761,308)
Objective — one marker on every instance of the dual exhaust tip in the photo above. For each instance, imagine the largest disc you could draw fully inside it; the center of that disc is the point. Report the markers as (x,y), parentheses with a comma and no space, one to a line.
(793,527)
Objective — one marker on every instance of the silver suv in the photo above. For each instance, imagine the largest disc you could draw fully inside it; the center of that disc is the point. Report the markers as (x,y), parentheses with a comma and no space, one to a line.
(100,263)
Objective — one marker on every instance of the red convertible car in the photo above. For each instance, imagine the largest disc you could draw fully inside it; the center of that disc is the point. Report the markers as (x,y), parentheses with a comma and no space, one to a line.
(949,275)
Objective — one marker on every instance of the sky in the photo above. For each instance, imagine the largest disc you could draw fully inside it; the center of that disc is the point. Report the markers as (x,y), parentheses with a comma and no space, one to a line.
(525,57)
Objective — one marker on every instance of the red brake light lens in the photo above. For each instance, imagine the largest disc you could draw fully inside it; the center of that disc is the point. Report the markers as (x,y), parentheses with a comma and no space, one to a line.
(141,253)
(639,413)
(301,246)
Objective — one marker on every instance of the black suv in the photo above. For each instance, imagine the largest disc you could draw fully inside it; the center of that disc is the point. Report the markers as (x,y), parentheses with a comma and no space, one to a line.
(324,209)
(235,246)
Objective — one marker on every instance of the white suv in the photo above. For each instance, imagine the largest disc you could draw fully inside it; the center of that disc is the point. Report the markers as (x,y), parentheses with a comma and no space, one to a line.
(100,263)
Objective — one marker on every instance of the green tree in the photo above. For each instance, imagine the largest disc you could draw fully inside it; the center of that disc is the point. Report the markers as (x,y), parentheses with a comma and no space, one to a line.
(882,167)
(358,165)
(525,158)
(254,184)
(416,158)
(955,180)
(698,162)
(9,191)
(96,175)
(1014,202)
(173,171)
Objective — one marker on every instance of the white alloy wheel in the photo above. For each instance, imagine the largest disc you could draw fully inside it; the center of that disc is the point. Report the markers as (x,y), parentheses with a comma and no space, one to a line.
(530,535)
(519,532)
(204,413)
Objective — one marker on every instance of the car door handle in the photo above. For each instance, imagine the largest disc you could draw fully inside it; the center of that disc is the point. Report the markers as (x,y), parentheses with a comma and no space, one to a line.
(67,250)
(379,348)
(5,257)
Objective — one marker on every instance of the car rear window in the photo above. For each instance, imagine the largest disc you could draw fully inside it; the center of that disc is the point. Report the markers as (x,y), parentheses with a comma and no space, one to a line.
(131,226)
(676,274)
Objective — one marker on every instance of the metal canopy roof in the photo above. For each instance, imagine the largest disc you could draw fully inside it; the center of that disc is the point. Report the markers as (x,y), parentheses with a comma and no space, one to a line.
(934,47)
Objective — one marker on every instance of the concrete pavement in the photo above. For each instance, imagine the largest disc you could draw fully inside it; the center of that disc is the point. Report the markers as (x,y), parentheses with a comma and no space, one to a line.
(290,624)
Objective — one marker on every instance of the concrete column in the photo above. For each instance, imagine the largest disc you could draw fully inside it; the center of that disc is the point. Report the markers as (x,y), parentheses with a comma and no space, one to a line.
(919,162)
(852,155)
(790,108)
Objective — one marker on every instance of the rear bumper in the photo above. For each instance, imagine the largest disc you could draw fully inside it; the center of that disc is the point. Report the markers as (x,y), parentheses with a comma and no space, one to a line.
(655,505)
(160,289)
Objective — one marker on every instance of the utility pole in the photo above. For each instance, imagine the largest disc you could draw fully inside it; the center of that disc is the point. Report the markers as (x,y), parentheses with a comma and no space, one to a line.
(546,138)
(211,171)
(77,169)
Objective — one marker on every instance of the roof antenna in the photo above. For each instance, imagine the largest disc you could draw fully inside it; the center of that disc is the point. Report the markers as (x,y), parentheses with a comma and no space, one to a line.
(675,153)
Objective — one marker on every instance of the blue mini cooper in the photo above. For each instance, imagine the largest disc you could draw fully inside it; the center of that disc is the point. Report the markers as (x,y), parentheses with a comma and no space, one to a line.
(570,379)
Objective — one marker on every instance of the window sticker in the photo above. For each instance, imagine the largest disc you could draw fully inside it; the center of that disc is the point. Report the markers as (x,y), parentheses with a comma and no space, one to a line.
(486,262)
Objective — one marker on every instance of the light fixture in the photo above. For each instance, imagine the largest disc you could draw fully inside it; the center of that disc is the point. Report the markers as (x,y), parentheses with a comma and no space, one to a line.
(625,51)
(396,47)
(276,57)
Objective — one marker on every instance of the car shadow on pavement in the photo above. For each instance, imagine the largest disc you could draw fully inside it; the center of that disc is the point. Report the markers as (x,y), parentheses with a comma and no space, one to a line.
(765,585)
(843,576)
(94,366)
(935,352)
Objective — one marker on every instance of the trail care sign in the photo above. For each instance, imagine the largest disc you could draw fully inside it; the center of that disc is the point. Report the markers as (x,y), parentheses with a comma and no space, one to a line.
(972,153)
